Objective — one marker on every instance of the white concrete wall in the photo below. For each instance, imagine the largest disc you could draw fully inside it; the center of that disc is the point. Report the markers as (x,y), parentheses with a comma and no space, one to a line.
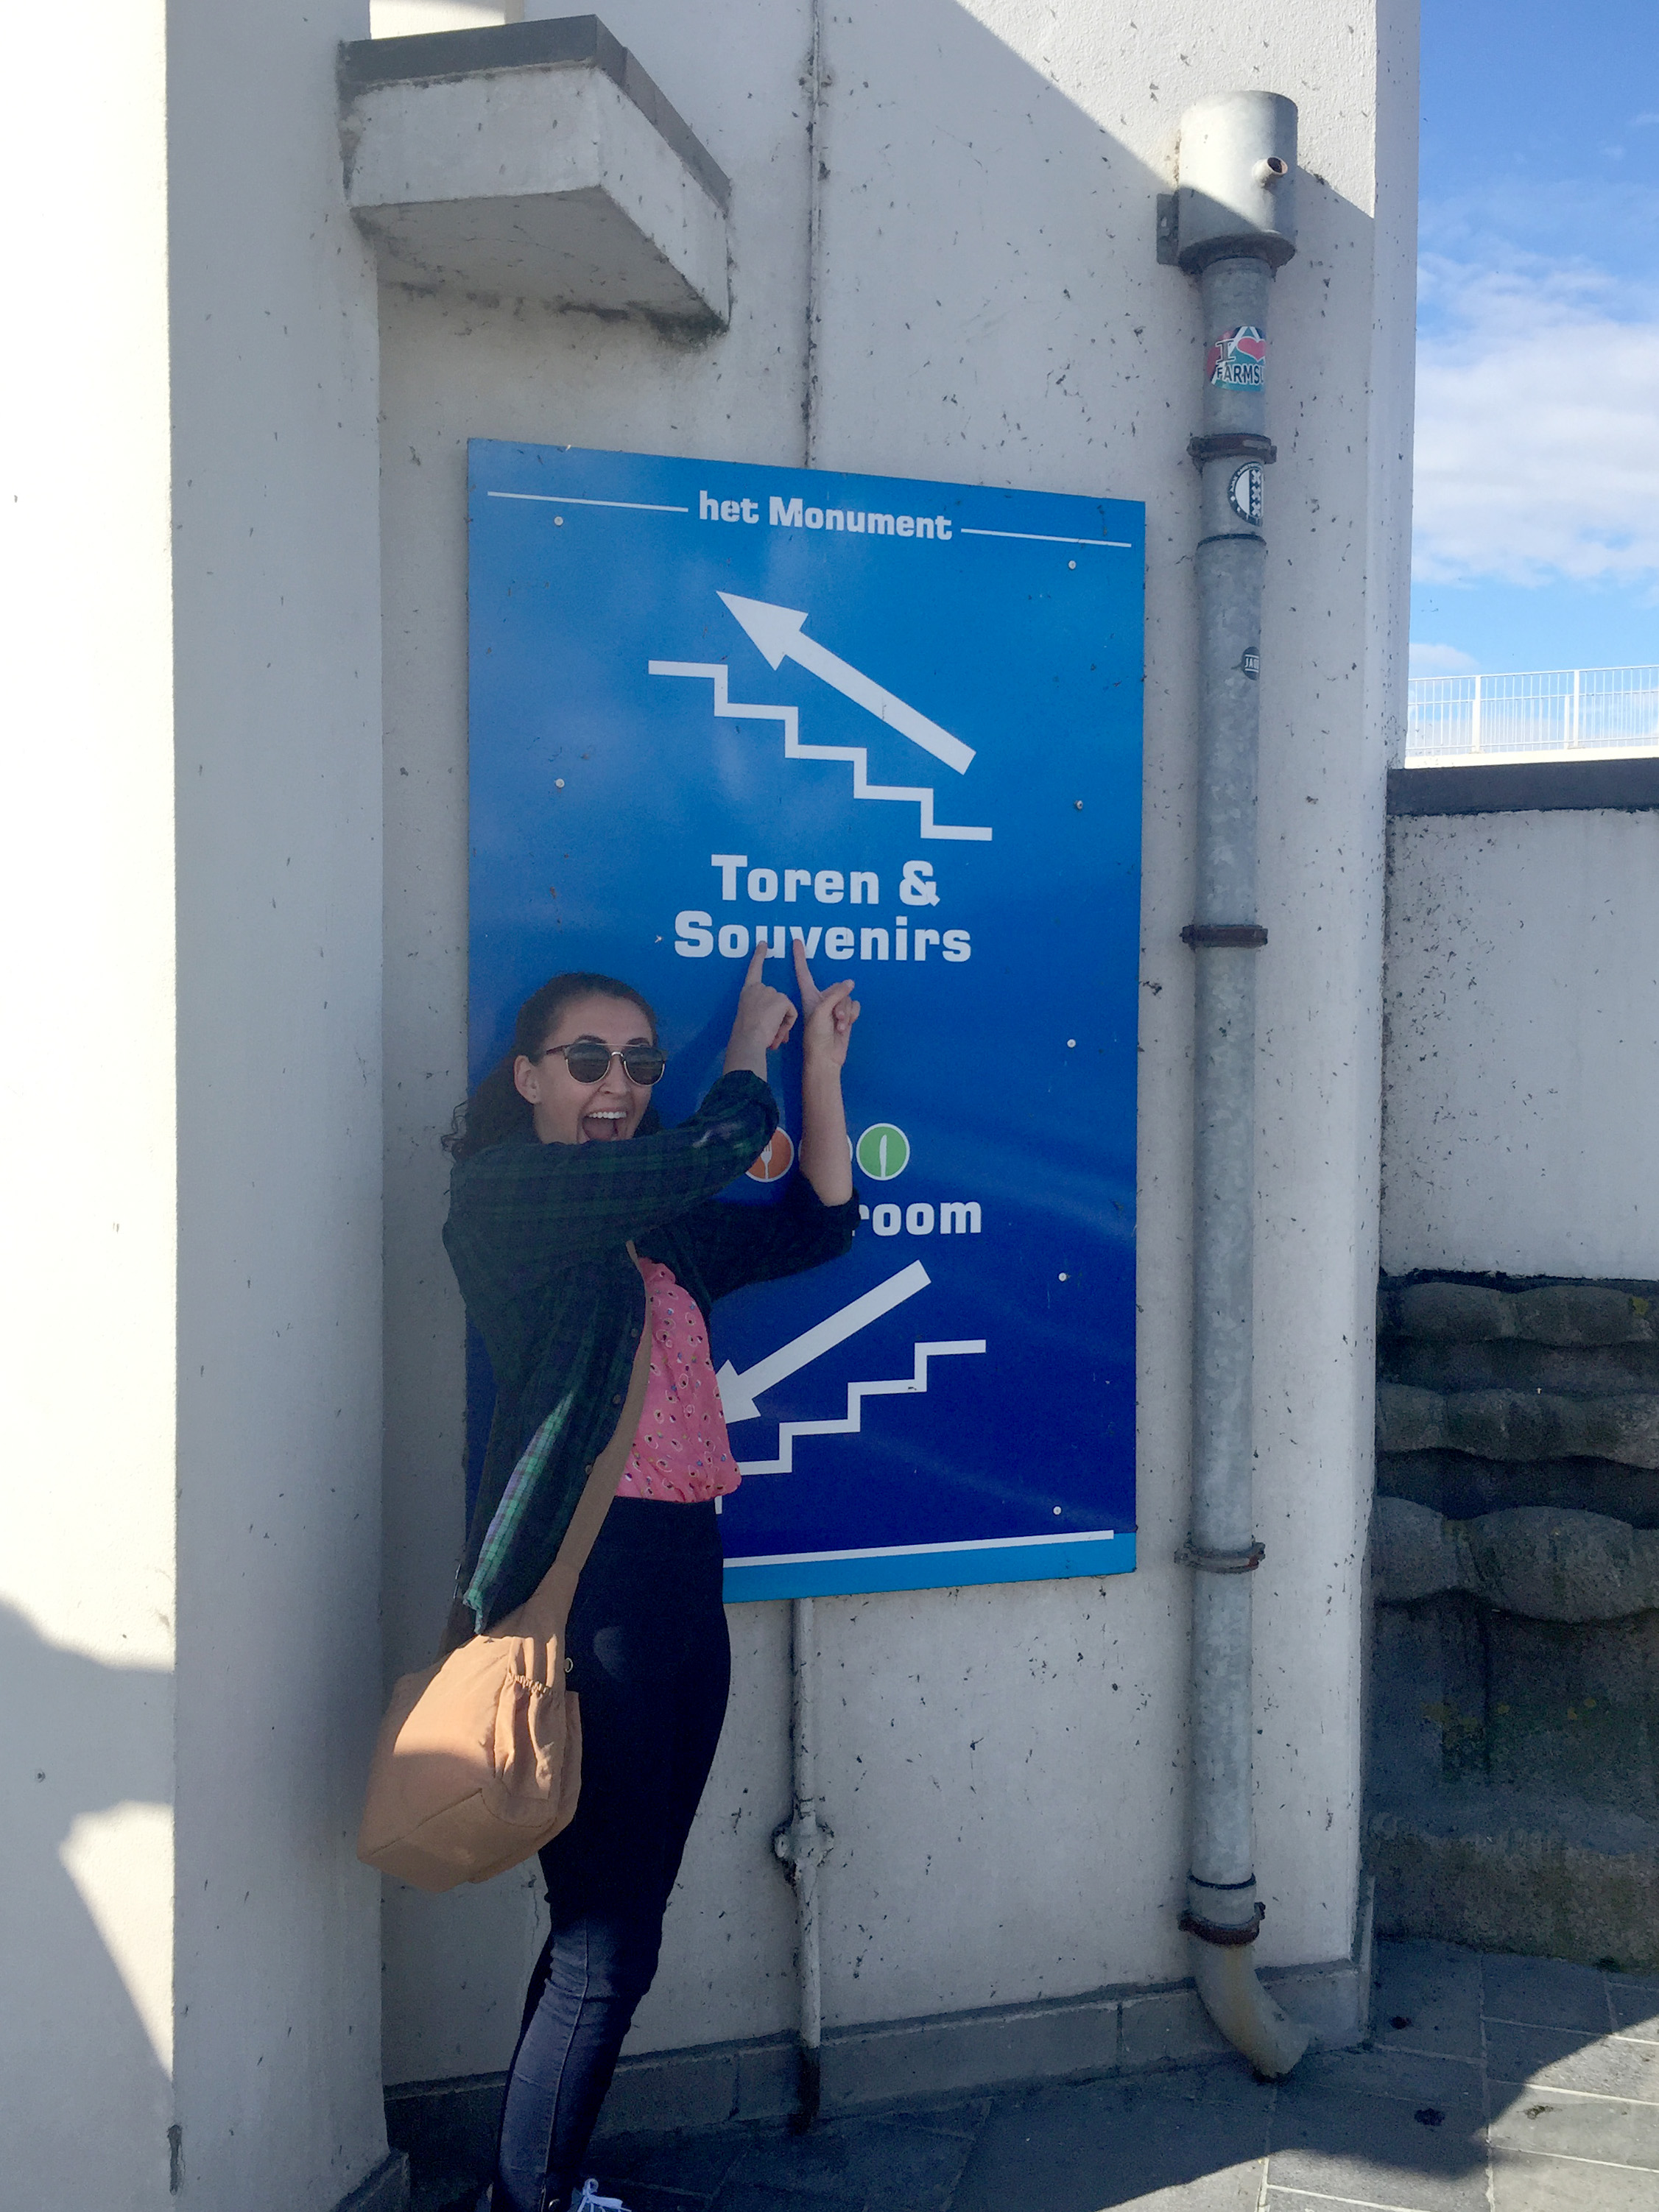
(1005,1768)
(1523,1055)
(276,584)
(192,1399)
(87,1391)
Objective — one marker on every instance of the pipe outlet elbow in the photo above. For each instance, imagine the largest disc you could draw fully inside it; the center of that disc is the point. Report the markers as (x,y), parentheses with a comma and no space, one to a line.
(1249,2019)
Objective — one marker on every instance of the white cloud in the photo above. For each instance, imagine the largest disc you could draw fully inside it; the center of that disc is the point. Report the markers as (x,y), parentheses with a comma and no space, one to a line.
(1535,228)
(1537,428)
(1428,659)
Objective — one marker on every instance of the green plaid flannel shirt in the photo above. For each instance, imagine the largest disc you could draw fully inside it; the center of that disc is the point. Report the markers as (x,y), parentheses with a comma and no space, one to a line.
(537,1235)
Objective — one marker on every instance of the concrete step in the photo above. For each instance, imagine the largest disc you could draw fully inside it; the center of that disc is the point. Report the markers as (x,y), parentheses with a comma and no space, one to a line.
(1500,1870)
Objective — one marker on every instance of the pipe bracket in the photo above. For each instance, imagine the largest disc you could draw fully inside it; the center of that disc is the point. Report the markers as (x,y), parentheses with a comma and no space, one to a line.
(803,1840)
(1232,446)
(1222,1562)
(1228,1939)
(1204,935)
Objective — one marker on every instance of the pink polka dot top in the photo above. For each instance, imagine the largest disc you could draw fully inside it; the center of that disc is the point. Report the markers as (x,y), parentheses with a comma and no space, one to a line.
(682,1454)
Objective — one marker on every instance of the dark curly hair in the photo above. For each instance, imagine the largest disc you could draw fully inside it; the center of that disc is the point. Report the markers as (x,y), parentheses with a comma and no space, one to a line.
(497,1110)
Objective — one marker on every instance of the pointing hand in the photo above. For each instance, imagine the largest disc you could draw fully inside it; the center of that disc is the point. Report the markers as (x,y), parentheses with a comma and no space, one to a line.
(828,1015)
(765,1016)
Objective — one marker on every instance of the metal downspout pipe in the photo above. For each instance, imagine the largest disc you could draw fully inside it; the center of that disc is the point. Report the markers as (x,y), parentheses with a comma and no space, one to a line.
(1234,224)
(803,1844)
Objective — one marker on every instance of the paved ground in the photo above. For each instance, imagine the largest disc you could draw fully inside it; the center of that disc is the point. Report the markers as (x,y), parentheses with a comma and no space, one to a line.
(1494,2084)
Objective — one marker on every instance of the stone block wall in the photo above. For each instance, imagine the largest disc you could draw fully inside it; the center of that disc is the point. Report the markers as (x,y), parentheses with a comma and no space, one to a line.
(1513,1798)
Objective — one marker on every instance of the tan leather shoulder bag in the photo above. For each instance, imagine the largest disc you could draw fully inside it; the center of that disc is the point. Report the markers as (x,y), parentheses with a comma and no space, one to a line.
(479,1759)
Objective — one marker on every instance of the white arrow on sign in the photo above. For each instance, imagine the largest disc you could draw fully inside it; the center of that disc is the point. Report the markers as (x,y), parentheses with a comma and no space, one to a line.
(914,1384)
(856,756)
(739,1392)
(777,635)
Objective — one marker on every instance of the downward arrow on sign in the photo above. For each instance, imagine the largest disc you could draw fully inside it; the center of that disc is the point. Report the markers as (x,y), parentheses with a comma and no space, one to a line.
(739,1392)
(776,632)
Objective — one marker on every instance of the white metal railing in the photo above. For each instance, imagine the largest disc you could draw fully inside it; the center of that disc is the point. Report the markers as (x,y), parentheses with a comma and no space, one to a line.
(1554,710)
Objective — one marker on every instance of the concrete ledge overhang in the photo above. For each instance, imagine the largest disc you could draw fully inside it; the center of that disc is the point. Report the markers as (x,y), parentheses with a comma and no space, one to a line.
(1546,785)
(534,161)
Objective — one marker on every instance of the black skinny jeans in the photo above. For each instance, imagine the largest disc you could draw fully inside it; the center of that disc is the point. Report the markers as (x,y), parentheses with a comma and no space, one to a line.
(653,1666)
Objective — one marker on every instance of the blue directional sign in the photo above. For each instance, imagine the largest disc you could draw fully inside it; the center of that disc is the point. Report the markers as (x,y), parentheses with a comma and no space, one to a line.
(713,703)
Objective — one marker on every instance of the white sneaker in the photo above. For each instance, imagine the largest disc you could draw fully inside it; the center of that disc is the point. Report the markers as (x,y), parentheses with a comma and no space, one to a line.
(590,2201)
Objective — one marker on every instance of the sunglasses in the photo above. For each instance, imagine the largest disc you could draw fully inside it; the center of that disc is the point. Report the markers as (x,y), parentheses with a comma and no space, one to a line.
(591,1063)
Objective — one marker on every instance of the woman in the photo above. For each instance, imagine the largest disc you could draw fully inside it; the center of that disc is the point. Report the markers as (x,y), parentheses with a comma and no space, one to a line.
(561,1164)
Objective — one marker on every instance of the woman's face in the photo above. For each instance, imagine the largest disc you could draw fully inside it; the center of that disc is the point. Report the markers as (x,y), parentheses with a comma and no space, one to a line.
(571,1113)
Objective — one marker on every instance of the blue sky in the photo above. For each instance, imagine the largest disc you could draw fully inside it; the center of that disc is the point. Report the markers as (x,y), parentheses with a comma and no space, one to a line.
(1537,540)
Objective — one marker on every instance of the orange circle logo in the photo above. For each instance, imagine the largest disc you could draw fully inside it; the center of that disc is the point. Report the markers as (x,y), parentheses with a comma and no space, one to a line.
(777,1160)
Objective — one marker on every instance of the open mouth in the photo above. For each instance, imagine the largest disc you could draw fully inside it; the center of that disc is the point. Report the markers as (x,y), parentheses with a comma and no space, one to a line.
(603,1127)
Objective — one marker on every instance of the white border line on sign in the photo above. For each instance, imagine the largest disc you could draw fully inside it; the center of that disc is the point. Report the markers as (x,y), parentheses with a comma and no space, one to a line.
(1041,538)
(568,499)
(919,1551)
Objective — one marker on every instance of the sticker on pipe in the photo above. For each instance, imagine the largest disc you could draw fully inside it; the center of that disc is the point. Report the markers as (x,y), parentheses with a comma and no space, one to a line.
(1244,493)
(1238,359)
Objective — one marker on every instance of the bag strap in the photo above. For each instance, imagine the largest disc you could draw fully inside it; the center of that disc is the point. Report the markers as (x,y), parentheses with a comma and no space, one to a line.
(548,1603)
(545,1612)
(607,1469)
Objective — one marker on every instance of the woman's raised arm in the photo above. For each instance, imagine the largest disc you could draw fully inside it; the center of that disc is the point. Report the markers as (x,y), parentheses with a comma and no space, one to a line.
(828,1017)
(520,1212)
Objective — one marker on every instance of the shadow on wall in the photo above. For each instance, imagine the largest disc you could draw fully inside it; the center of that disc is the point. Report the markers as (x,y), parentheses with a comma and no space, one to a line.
(86,1922)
